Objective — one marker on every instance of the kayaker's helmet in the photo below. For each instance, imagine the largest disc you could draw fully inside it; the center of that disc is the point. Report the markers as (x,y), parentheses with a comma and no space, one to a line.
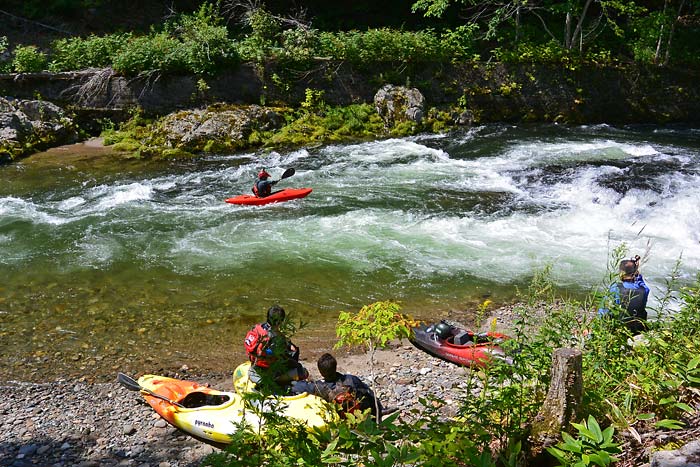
(262,175)
(443,330)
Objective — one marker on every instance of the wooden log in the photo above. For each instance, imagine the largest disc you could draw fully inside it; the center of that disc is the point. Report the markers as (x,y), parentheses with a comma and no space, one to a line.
(562,402)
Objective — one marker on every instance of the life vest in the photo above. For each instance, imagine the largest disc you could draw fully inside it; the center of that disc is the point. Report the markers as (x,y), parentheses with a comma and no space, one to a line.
(261,194)
(257,343)
(347,401)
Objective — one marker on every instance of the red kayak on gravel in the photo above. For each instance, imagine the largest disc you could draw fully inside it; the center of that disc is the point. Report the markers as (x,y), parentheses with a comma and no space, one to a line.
(455,344)
(276,197)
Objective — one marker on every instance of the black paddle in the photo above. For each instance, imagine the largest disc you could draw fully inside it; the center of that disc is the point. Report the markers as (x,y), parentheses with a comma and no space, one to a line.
(287,173)
(133,385)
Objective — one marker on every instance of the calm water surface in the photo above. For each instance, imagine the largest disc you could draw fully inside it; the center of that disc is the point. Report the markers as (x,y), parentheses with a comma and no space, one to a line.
(113,265)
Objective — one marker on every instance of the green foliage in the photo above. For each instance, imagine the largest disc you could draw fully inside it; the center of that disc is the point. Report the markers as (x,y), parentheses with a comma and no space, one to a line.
(264,37)
(5,63)
(593,446)
(76,53)
(204,43)
(191,44)
(313,102)
(28,59)
(373,326)
(329,124)
(381,46)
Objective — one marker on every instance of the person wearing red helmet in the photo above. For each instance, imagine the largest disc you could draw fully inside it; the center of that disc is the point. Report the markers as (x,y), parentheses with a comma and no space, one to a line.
(262,186)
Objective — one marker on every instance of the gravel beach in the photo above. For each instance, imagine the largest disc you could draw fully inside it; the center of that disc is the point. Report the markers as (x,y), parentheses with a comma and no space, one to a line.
(73,423)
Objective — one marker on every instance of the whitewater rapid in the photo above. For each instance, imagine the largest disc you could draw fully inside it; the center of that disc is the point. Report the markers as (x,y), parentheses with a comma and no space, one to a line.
(494,204)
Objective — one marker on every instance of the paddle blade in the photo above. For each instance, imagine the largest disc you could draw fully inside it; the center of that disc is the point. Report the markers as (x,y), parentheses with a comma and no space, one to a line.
(288,173)
(128,382)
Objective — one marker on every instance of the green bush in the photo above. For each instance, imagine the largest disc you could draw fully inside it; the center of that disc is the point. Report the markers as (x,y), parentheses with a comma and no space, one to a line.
(206,47)
(28,59)
(381,46)
(264,38)
(149,53)
(91,52)
(191,44)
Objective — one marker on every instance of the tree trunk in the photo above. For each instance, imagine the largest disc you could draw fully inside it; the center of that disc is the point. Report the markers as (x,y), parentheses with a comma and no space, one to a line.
(667,56)
(657,54)
(578,32)
(562,402)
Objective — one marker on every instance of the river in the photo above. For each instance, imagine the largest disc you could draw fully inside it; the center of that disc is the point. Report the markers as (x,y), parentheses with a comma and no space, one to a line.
(110,264)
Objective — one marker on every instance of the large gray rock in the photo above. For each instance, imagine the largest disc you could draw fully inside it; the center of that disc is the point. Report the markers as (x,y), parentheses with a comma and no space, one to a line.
(397,104)
(30,125)
(687,456)
(193,129)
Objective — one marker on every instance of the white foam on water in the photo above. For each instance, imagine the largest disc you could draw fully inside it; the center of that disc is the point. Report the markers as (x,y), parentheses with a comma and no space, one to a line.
(71,203)
(109,197)
(566,217)
(20,209)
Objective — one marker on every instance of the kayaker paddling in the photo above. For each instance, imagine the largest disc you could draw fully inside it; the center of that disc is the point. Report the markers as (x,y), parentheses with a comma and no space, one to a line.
(262,186)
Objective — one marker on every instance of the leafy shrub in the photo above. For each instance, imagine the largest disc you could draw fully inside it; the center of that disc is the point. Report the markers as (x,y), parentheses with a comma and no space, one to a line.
(265,36)
(28,59)
(299,45)
(460,44)
(148,53)
(381,45)
(205,46)
(593,446)
(193,43)
(92,52)
(5,63)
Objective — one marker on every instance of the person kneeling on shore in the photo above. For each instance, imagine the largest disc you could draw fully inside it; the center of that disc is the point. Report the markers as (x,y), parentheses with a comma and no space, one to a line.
(274,358)
(630,295)
(349,391)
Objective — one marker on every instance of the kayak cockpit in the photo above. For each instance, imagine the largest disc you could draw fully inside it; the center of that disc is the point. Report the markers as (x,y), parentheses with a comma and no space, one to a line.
(195,400)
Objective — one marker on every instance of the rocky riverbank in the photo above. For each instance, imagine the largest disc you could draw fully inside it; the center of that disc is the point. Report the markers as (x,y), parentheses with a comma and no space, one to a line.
(72,423)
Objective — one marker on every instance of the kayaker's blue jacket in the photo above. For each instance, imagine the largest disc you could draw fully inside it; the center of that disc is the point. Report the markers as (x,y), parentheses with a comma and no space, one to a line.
(632,295)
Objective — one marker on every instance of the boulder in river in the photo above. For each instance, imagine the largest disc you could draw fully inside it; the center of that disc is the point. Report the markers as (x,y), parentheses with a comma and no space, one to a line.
(30,125)
(397,104)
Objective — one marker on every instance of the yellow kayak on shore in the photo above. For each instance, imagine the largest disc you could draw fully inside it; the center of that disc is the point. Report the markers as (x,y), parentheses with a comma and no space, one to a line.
(215,416)
(311,409)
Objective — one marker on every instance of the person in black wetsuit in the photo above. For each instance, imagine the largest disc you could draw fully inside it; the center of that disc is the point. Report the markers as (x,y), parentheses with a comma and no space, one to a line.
(336,387)
(263,186)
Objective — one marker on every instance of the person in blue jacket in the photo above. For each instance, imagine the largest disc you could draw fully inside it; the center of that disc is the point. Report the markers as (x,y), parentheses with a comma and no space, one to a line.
(347,390)
(630,294)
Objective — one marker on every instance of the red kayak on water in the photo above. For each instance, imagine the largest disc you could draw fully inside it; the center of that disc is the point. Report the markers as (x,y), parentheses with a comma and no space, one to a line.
(276,197)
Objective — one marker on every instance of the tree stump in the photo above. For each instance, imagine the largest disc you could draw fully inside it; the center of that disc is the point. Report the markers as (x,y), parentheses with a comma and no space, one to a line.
(562,403)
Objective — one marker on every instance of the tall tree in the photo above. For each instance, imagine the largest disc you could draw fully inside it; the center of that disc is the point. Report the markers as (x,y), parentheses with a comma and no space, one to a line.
(573,23)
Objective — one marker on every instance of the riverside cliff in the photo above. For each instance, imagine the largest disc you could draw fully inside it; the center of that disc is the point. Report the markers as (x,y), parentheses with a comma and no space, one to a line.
(462,94)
